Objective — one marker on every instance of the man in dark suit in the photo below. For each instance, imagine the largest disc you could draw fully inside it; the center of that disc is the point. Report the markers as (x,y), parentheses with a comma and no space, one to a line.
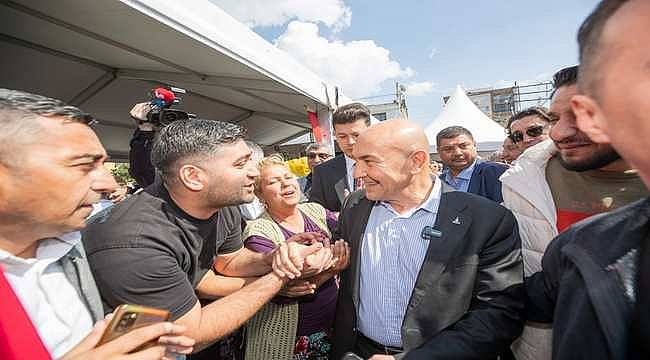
(332,181)
(434,273)
(463,170)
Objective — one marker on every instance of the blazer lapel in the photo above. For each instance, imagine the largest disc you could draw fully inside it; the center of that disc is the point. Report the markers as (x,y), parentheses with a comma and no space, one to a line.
(340,174)
(358,228)
(340,188)
(475,179)
(453,223)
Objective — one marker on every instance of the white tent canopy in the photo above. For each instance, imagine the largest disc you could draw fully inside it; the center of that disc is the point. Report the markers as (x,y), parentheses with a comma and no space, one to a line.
(461,111)
(104,56)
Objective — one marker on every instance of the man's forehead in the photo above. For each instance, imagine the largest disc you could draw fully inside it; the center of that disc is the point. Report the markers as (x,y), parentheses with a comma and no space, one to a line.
(68,136)
(563,95)
(357,125)
(235,150)
(364,146)
(460,139)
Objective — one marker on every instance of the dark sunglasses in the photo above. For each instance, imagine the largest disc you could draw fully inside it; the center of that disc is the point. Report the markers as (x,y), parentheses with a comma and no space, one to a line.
(318,155)
(533,131)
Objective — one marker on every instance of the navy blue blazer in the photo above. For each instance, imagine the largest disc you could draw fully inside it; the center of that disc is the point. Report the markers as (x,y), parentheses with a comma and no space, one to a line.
(485,180)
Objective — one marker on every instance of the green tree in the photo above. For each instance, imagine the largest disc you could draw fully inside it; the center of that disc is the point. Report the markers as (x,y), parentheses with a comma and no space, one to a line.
(121,174)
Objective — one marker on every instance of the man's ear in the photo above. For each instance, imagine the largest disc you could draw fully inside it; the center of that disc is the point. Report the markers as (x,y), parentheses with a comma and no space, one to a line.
(590,119)
(192,177)
(420,159)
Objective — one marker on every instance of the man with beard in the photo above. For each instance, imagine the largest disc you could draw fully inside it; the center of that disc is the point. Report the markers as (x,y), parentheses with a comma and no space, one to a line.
(558,182)
(463,170)
(158,248)
(595,281)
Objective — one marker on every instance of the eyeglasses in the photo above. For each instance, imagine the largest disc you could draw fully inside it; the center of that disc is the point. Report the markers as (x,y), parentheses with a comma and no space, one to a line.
(313,156)
(533,131)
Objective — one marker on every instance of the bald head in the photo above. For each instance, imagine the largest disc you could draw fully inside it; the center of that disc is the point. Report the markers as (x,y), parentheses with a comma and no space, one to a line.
(393,160)
(402,135)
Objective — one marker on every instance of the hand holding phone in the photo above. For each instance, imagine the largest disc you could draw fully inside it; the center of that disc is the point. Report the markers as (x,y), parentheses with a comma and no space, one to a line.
(130,317)
(166,338)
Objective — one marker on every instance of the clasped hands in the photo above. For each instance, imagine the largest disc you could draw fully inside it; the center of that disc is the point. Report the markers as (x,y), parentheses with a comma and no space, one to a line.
(307,260)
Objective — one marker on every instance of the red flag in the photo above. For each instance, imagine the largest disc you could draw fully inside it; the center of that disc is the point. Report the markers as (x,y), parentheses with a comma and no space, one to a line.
(315,126)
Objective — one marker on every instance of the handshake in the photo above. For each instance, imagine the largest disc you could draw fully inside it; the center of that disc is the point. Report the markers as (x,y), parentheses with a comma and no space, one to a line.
(307,260)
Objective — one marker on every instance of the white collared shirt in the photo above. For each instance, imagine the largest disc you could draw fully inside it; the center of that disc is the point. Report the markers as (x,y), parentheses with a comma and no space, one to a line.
(349,168)
(392,253)
(51,301)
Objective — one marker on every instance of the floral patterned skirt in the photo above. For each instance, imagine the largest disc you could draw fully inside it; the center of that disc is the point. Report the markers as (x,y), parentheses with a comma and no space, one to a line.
(316,346)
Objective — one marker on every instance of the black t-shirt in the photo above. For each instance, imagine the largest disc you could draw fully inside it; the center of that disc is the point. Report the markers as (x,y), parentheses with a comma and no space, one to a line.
(147,251)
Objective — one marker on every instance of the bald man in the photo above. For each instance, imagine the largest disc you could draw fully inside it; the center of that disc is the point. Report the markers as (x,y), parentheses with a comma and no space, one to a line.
(434,273)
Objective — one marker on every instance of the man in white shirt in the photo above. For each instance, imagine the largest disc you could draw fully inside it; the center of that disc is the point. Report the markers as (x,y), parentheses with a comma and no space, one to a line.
(51,173)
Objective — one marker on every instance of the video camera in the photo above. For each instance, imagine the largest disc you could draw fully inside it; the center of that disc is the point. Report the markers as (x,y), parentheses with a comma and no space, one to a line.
(162,100)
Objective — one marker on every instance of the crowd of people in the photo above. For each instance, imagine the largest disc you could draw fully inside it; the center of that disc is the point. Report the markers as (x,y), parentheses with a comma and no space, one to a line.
(377,254)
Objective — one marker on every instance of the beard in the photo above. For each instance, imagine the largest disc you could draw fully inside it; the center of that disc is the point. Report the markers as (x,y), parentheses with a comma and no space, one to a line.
(598,159)
(220,197)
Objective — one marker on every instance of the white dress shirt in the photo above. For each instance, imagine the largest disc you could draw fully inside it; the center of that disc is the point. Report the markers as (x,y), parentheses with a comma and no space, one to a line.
(53,304)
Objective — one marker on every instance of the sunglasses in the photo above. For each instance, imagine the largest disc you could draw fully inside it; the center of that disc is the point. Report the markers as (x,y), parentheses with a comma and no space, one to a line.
(313,156)
(533,131)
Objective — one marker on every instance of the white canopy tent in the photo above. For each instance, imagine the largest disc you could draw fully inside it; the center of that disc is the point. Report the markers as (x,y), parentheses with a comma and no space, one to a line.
(461,111)
(105,56)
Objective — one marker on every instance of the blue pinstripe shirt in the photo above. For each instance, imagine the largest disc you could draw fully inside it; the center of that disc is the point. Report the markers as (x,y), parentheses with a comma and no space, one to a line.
(460,182)
(392,252)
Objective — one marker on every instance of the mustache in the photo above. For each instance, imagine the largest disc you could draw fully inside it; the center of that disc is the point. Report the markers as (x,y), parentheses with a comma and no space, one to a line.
(576,139)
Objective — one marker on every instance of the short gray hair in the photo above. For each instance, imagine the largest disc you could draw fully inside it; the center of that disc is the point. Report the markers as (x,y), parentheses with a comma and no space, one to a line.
(191,139)
(317,146)
(19,108)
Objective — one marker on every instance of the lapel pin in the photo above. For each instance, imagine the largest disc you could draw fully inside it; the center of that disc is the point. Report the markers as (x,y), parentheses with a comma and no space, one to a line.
(456,221)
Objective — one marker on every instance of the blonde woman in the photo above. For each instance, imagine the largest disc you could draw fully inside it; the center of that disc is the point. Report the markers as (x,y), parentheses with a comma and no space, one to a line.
(297,324)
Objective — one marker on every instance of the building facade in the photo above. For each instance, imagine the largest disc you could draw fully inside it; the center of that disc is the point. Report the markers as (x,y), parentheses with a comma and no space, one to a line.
(500,104)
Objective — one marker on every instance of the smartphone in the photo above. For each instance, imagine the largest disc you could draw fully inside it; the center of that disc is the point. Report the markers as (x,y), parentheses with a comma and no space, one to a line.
(129,317)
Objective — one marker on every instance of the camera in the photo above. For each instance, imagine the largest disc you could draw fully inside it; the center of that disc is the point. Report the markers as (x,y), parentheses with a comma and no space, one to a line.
(162,100)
